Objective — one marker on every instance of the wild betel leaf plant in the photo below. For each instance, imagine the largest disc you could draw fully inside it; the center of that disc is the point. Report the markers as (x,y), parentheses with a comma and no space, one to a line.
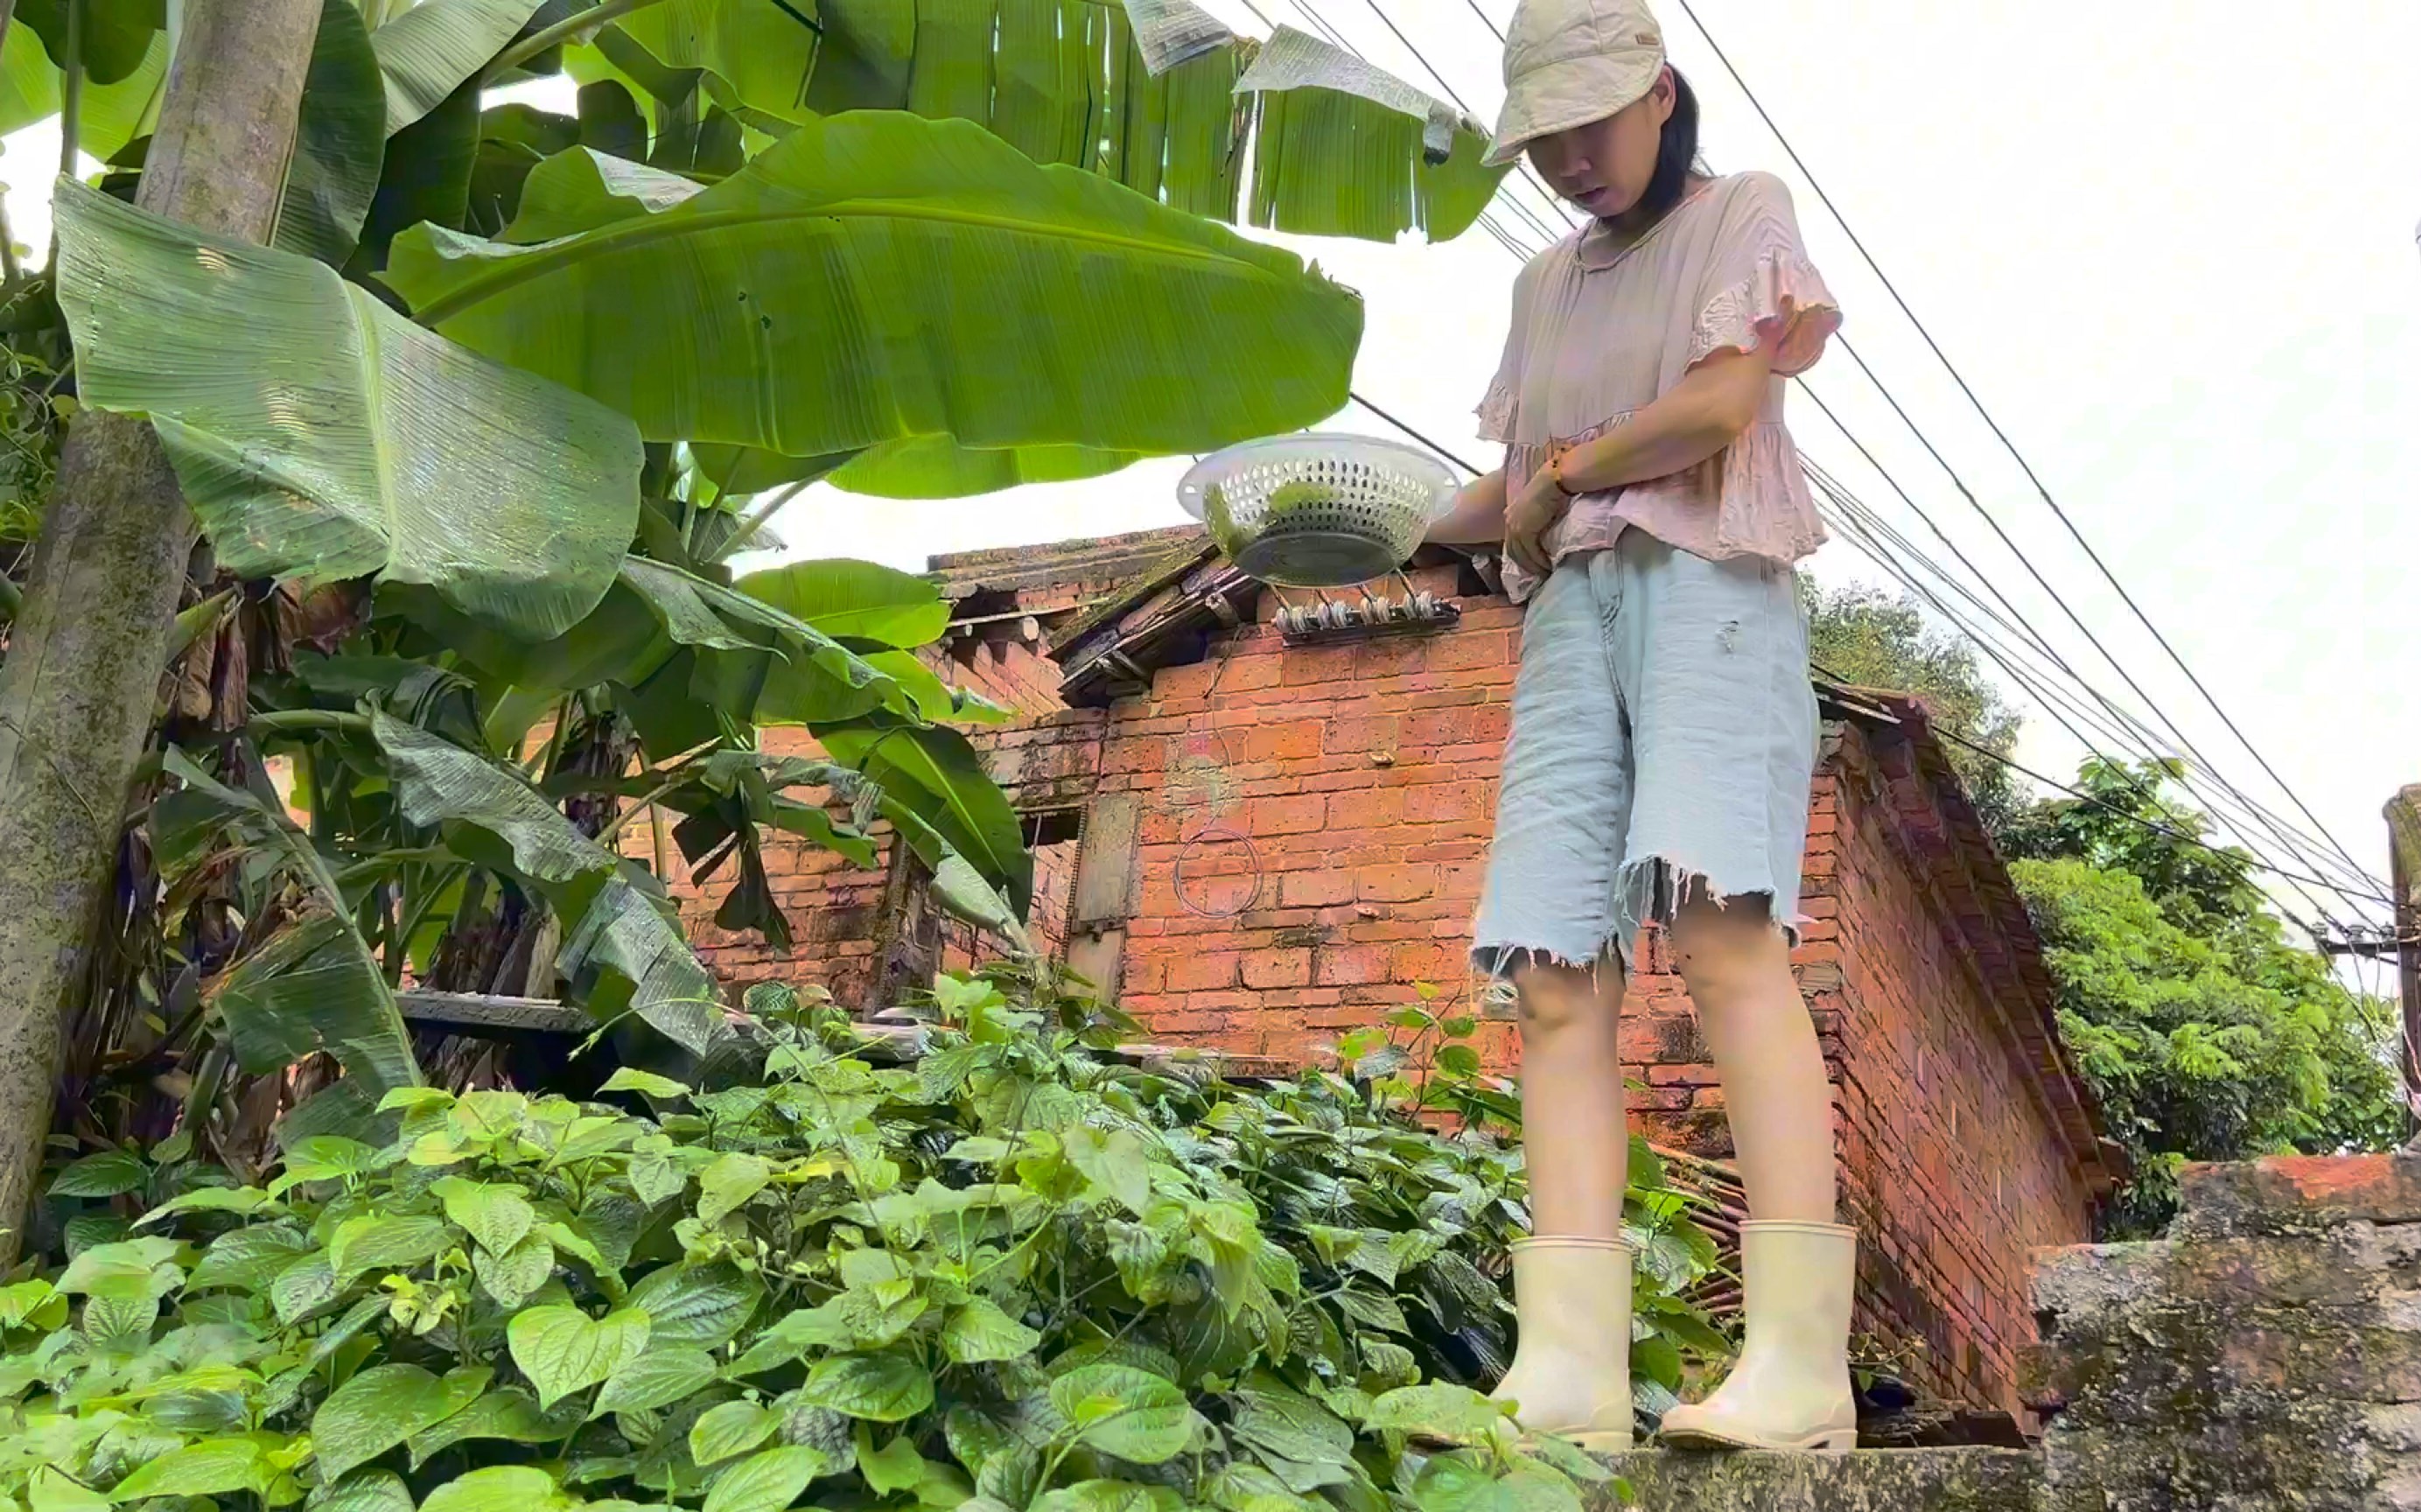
(1014,1271)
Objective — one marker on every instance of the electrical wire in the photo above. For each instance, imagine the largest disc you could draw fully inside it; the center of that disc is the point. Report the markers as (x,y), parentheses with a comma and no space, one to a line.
(1845,511)
(2183,836)
(1895,552)
(1408,431)
(2009,446)
(2034,637)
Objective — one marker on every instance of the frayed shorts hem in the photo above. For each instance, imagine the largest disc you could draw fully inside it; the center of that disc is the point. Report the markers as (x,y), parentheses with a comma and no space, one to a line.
(1650,890)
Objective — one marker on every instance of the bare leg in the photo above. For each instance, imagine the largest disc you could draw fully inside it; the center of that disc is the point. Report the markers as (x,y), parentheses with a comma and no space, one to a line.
(1576,1143)
(1737,967)
(1572,1278)
(1790,1387)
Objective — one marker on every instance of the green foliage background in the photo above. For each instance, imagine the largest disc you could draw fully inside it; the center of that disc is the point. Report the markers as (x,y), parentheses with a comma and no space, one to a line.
(1014,1271)
(2206,1033)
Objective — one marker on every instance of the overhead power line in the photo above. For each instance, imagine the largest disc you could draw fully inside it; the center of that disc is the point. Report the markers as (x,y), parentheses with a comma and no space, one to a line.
(1408,431)
(2277,831)
(1878,541)
(2009,446)
(2183,836)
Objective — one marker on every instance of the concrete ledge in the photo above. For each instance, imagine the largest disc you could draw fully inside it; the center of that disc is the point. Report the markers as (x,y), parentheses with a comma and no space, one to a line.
(1870,1480)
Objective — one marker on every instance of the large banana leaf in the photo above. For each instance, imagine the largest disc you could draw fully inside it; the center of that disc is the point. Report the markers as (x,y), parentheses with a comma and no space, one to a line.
(581,188)
(428,51)
(111,115)
(116,33)
(698,660)
(855,600)
(424,176)
(340,141)
(320,436)
(125,70)
(621,950)
(29,83)
(1342,148)
(1154,94)
(758,54)
(874,275)
(936,775)
(937,467)
(313,985)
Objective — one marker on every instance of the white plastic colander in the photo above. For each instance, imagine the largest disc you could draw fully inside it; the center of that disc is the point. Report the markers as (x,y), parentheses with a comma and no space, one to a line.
(1317,512)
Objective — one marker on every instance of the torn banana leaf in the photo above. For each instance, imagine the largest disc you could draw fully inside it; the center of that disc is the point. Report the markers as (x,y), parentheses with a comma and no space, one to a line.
(901,277)
(320,436)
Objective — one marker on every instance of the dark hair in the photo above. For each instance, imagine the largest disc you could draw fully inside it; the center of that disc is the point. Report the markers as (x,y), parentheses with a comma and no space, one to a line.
(1677,153)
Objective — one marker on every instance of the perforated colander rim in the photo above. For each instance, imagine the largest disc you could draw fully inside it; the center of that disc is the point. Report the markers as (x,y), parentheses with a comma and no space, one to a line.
(1317,446)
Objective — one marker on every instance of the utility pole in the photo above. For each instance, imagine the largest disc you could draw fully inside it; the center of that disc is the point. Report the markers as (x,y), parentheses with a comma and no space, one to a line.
(2404,875)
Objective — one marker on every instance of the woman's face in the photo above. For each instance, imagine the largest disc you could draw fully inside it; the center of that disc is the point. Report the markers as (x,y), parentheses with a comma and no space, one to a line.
(1604,167)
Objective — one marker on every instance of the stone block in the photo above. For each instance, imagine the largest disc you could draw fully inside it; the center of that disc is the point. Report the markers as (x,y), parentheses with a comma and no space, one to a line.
(2297,1194)
(1869,1480)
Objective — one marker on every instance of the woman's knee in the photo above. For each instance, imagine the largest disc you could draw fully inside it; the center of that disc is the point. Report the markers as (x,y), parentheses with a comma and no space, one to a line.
(1727,949)
(1555,1000)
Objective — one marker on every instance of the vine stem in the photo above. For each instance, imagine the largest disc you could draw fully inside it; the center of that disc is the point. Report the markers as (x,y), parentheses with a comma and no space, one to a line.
(755,520)
(71,96)
(539,41)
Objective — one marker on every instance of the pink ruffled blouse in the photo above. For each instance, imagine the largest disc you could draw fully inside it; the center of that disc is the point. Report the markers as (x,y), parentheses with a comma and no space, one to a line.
(1601,328)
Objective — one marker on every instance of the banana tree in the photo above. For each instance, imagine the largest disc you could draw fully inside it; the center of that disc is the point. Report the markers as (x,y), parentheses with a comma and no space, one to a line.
(519,371)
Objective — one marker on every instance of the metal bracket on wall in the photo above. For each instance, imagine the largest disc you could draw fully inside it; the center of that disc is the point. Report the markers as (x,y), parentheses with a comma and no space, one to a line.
(1371,615)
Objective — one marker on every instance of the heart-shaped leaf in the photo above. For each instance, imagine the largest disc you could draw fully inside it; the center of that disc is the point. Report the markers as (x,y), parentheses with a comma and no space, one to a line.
(214,1466)
(562,1350)
(512,1276)
(766,1480)
(105,1174)
(385,1405)
(500,1488)
(731,1180)
(1124,1412)
(887,1387)
(731,1428)
(495,1214)
(656,1379)
(980,1332)
(704,1305)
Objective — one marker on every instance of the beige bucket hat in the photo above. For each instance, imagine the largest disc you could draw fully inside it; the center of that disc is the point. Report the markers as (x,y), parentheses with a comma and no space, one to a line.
(1569,62)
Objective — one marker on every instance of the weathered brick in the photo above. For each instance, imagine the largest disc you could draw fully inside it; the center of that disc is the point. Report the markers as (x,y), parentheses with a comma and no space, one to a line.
(1287,816)
(1396,884)
(1277,968)
(1364,809)
(1341,965)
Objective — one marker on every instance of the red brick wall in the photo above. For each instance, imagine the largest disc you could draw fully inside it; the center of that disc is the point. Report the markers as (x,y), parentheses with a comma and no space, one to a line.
(1313,828)
(1948,1162)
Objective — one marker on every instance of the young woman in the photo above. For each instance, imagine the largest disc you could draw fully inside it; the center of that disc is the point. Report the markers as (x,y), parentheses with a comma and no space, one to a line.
(1650,507)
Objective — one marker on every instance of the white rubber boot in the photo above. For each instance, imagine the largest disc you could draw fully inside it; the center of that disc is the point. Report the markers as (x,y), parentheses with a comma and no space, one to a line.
(1571,1368)
(1790,1389)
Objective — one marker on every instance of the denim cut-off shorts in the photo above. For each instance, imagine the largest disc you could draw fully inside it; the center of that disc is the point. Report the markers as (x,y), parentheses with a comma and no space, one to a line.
(1664,739)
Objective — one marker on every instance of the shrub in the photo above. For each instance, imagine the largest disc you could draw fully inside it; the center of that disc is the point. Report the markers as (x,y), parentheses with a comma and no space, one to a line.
(1014,1273)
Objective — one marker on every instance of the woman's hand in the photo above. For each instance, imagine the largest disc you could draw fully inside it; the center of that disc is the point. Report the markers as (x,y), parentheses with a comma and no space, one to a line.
(1529,515)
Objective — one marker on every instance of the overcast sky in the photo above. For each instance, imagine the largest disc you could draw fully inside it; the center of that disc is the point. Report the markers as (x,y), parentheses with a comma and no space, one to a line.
(2174,255)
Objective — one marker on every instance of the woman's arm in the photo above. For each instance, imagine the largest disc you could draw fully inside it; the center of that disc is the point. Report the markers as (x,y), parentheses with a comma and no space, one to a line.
(1711,407)
(1478,517)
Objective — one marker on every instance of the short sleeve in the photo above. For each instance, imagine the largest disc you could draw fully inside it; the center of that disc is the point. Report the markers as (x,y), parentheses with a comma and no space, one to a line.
(1759,293)
(1497,408)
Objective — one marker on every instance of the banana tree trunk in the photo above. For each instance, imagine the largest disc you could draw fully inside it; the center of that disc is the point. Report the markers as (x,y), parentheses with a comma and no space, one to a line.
(85,655)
